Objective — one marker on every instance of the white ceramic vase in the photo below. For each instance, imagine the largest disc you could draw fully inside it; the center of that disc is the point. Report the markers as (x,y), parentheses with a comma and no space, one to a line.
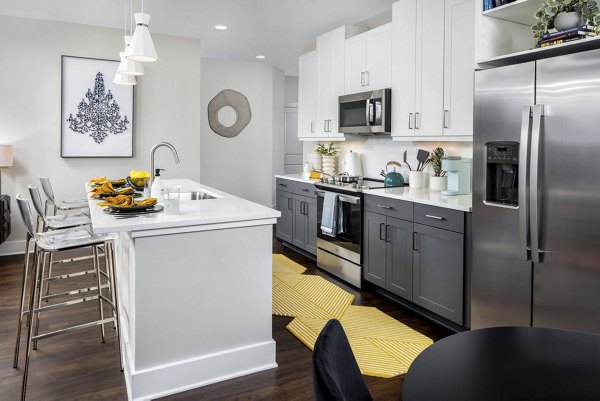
(564,20)
(438,183)
(417,179)
(329,165)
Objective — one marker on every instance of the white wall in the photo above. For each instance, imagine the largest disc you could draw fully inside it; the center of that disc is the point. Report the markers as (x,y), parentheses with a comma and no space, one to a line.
(291,90)
(167,107)
(376,151)
(244,165)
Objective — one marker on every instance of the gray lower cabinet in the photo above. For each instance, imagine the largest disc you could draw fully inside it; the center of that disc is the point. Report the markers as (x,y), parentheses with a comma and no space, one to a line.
(388,253)
(285,223)
(298,222)
(438,271)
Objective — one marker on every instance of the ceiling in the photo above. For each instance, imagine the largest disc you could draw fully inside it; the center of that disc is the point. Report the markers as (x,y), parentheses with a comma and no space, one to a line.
(279,29)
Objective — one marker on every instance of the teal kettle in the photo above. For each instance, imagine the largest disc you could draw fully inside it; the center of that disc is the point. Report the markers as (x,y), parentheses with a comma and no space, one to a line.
(392,178)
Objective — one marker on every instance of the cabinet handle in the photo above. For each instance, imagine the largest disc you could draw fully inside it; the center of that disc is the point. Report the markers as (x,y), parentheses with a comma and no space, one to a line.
(289,203)
(312,126)
(325,125)
(415,239)
(362,78)
(446,118)
(367,78)
(435,217)
(283,185)
(381,233)
(329,126)
(385,207)
(417,120)
(410,120)
(305,189)
(302,208)
(388,234)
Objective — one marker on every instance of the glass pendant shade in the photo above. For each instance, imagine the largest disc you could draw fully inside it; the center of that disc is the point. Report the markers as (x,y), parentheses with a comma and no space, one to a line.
(129,67)
(123,79)
(141,48)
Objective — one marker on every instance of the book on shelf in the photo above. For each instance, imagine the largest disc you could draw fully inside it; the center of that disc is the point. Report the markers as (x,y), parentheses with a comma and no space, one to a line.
(559,41)
(488,5)
(569,32)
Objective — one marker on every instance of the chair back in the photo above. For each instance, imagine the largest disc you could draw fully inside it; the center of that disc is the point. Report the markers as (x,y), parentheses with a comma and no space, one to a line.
(36,199)
(336,375)
(45,181)
(26,215)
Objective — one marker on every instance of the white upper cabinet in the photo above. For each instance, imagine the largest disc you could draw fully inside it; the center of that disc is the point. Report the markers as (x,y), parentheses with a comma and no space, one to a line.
(432,68)
(459,59)
(330,81)
(307,96)
(368,64)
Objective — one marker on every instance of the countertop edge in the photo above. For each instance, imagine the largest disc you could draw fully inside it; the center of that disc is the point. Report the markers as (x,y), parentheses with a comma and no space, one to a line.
(414,199)
(295,178)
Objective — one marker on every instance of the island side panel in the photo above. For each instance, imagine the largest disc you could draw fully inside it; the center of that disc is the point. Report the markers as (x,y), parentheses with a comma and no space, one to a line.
(202,308)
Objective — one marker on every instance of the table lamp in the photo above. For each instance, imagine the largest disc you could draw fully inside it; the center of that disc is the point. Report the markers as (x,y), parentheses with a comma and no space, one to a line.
(6,159)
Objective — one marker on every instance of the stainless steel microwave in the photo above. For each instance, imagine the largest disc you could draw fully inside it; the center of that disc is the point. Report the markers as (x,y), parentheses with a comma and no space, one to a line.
(366,113)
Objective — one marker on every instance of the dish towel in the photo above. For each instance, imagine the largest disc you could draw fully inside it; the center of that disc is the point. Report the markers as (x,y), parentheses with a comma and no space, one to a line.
(330,214)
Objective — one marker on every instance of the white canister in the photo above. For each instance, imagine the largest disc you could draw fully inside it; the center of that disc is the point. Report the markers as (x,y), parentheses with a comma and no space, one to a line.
(417,179)
(438,183)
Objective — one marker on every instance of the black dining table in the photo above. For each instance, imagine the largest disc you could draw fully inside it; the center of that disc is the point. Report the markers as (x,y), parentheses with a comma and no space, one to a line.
(507,364)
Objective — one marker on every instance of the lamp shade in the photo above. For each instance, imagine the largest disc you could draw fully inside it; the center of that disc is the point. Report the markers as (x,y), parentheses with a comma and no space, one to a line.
(141,48)
(6,155)
(122,79)
(129,67)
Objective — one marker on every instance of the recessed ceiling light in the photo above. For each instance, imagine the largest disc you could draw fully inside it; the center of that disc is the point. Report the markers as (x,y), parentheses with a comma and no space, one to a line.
(221,27)
(261,57)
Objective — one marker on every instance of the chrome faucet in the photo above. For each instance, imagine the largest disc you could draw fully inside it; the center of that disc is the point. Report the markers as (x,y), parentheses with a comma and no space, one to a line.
(158,145)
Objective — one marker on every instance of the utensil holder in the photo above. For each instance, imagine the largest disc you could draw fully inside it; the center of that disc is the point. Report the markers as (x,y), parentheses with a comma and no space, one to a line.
(417,179)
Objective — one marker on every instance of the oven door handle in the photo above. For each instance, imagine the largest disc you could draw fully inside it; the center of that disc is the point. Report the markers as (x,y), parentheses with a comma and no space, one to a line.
(342,198)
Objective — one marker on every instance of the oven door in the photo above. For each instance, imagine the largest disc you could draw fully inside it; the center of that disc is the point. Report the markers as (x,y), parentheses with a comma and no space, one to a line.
(365,113)
(347,243)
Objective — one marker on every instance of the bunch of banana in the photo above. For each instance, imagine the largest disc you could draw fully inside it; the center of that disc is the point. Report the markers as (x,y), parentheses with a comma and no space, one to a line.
(105,188)
(119,200)
(147,202)
(98,180)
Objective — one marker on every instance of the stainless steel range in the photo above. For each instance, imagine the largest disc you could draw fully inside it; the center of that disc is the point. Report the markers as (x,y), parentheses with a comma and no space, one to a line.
(341,255)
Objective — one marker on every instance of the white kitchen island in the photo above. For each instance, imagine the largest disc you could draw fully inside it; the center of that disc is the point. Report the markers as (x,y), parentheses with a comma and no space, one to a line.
(195,292)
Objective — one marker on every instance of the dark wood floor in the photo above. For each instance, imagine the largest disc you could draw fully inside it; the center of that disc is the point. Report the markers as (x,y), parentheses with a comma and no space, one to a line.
(78,366)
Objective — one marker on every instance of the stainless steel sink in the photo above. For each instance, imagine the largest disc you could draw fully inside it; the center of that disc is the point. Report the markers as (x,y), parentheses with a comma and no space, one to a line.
(196,195)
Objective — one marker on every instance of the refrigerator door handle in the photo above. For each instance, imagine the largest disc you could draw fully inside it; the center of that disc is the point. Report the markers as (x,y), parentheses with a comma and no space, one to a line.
(534,212)
(523,173)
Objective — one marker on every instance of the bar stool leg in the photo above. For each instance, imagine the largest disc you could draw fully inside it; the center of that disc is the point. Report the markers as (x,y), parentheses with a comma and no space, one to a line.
(49,275)
(99,281)
(40,285)
(109,277)
(23,290)
(32,293)
(114,286)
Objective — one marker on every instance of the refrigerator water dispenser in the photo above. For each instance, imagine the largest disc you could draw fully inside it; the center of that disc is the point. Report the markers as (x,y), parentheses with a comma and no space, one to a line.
(502,173)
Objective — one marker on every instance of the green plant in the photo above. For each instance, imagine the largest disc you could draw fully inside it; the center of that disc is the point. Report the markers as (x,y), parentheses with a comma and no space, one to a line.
(435,158)
(549,8)
(327,150)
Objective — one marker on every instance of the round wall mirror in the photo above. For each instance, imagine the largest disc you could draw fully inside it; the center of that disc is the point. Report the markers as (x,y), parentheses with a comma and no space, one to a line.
(229,113)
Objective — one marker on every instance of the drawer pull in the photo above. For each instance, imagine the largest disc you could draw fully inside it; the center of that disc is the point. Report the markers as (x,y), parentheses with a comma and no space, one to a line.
(305,189)
(385,207)
(283,185)
(382,232)
(435,217)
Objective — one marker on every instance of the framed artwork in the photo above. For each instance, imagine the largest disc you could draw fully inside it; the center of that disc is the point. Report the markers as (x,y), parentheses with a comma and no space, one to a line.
(96,114)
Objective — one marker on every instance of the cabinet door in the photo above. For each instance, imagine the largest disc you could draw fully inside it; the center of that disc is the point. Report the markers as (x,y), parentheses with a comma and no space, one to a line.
(285,223)
(330,61)
(430,68)
(438,271)
(379,57)
(311,225)
(459,63)
(399,257)
(374,268)
(355,65)
(307,95)
(404,18)
(299,229)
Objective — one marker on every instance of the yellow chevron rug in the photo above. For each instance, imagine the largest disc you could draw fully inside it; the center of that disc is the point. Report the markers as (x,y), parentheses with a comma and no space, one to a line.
(382,346)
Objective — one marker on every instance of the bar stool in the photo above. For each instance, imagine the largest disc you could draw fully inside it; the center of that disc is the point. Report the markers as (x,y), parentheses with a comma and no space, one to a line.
(62,205)
(47,244)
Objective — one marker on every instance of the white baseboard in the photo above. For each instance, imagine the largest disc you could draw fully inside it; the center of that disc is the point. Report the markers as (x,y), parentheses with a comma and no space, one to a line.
(13,248)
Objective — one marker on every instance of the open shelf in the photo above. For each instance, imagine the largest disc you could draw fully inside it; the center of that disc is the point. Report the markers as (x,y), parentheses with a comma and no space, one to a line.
(541,53)
(520,11)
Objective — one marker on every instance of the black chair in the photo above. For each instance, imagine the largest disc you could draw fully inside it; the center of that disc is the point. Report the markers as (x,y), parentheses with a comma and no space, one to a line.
(336,375)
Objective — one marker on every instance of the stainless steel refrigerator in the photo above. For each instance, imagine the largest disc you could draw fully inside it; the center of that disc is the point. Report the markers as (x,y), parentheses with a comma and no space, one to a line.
(536,194)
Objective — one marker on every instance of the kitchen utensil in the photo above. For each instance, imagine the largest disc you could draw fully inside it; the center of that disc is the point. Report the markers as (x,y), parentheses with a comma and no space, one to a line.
(345,178)
(406,162)
(392,178)
(422,157)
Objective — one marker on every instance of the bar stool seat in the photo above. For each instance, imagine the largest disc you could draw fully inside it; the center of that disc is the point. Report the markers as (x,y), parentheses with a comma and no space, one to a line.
(59,221)
(63,204)
(62,240)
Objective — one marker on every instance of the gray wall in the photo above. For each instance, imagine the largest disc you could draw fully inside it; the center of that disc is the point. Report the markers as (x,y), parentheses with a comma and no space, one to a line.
(167,107)
(244,165)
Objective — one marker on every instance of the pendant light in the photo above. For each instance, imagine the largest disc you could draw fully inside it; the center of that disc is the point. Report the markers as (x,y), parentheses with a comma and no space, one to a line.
(123,79)
(141,48)
(129,67)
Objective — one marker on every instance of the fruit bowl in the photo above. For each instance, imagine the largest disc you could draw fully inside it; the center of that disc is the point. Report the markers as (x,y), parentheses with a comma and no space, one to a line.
(136,183)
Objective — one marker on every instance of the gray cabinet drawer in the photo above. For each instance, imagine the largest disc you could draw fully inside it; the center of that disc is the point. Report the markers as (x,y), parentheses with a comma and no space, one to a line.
(296,187)
(448,219)
(389,207)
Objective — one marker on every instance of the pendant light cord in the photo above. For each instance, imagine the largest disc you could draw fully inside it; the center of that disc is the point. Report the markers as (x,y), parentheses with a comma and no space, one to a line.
(131,16)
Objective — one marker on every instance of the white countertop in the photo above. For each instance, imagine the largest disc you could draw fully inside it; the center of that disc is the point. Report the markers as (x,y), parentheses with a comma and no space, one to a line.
(295,177)
(425,196)
(225,209)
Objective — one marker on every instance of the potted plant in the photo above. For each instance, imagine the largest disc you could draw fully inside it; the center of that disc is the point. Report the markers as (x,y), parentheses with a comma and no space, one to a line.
(328,152)
(438,181)
(566,14)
